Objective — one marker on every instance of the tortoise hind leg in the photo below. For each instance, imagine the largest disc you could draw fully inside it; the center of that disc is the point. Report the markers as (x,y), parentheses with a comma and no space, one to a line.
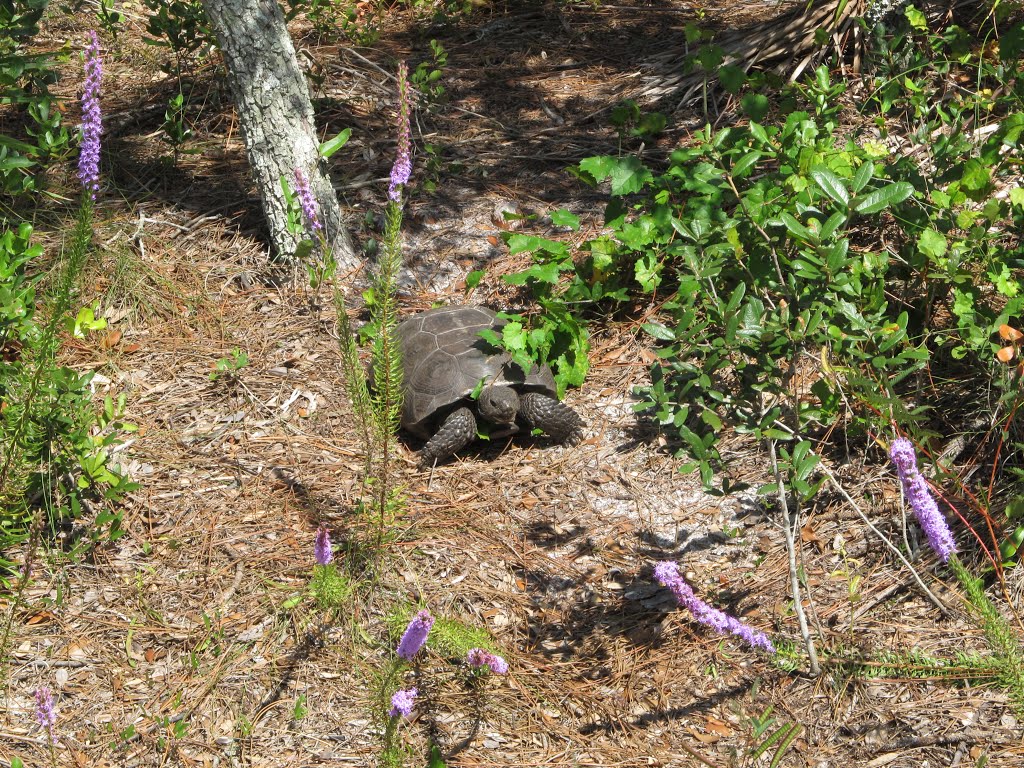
(457,431)
(557,419)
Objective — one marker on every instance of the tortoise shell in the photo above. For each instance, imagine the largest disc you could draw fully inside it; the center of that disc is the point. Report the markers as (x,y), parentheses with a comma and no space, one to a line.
(445,360)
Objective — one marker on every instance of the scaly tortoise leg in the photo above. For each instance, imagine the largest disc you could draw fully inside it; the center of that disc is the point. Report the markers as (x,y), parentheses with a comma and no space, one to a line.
(557,419)
(457,431)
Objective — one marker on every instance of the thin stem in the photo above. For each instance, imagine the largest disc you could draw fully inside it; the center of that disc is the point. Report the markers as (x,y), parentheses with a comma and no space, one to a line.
(387,361)
(791,525)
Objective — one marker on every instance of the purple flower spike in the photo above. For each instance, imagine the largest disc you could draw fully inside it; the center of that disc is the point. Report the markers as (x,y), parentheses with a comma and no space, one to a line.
(415,635)
(478,657)
(89,152)
(322,546)
(402,169)
(310,210)
(44,712)
(920,499)
(667,574)
(402,702)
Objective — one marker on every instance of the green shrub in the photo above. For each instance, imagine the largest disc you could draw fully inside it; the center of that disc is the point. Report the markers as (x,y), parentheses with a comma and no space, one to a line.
(803,270)
(54,445)
(24,83)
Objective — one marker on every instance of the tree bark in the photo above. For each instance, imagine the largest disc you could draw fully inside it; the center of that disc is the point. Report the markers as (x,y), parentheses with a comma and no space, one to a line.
(276,117)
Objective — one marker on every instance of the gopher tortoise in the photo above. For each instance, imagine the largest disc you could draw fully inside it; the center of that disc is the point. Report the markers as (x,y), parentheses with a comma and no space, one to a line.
(445,361)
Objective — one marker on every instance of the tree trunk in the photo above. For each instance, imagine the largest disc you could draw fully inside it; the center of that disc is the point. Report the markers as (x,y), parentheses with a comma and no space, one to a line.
(276,117)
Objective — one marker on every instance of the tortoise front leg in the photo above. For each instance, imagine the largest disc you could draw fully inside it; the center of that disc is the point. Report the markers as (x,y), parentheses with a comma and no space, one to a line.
(557,419)
(457,431)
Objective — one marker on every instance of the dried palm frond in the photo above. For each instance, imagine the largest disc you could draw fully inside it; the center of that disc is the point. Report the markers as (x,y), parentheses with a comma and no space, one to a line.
(793,41)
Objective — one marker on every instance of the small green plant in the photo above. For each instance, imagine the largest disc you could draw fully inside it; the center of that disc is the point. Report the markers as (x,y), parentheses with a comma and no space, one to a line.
(631,122)
(358,22)
(88,319)
(396,698)
(17,289)
(376,409)
(767,734)
(329,586)
(182,27)
(228,367)
(427,75)
(38,135)
(175,128)
(313,250)
(109,17)
(1010,546)
(554,336)
(437,165)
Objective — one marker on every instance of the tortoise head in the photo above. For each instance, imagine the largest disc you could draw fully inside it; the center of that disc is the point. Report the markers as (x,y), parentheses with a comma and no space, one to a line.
(498,404)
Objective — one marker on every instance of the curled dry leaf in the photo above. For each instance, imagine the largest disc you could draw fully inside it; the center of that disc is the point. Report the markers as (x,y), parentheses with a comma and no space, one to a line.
(1009,333)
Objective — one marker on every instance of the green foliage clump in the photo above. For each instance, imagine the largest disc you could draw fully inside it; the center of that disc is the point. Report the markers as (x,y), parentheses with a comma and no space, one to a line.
(804,271)
(181,26)
(55,448)
(427,75)
(555,335)
(331,588)
(25,78)
(450,638)
(357,22)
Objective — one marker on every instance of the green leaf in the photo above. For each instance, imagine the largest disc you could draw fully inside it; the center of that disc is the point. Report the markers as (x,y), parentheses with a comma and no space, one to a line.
(544,273)
(831,225)
(759,133)
(331,146)
(629,176)
(795,228)
(291,602)
(18,146)
(830,184)
(863,176)
(563,218)
(473,279)
(744,164)
(932,243)
(1011,43)
(303,249)
(710,418)
(15,161)
(598,168)
(916,18)
(880,199)
(436,761)
(518,243)
(659,331)
(755,105)
(976,178)
(647,271)
(732,78)
(710,57)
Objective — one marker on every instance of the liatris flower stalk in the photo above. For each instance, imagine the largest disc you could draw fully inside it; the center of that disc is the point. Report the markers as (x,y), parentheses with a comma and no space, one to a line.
(44,712)
(402,702)
(322,546)
(478,657)
(415,635)
(310,210)
(89,152)
(920,498)
(402,169)
(668,575)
